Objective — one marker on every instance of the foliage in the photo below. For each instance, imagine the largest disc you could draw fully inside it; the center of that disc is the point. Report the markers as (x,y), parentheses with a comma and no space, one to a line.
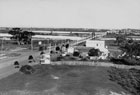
(42,53)
(22,37)
(128,79)
(94,52)
(120,39)
(27,69)
(67,46)
(131,53)
(57,48)
(16,63)
(30,57)
(41,48)
(131,48)
(76,53)
(125,61)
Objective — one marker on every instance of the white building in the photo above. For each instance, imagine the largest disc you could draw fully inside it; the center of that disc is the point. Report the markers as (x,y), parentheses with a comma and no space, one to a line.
(45,58)
(98,44)
(95,43)
(100,33)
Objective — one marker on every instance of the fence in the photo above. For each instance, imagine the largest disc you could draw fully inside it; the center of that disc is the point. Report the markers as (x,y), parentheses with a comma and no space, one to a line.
(93,63)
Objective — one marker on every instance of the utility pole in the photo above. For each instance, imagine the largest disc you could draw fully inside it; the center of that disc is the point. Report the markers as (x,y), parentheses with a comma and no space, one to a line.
(31,44)
(2,46)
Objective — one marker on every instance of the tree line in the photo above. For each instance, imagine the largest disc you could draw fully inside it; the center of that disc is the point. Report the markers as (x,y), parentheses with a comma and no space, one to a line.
(21,36)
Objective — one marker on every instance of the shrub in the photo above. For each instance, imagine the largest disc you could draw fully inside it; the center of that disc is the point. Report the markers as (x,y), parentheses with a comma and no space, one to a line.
(27,69)
(128,79)
(51,52)
(30,57)
(57,48)
(93,52)
(76,54)
(125,61)
(16,64)
(42,53)
(41,48)
(67,46)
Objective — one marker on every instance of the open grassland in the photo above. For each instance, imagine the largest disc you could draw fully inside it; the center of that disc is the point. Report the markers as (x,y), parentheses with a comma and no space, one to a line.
(60,80)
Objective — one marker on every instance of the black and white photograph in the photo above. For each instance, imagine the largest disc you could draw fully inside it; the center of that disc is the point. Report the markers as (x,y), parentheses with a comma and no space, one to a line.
(69,47)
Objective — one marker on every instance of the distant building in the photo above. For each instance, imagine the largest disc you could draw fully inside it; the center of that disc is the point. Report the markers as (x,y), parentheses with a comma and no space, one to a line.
(113,31)
(100,33)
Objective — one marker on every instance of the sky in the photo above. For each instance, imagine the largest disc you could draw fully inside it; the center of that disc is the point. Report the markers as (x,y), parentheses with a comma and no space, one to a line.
(107,14)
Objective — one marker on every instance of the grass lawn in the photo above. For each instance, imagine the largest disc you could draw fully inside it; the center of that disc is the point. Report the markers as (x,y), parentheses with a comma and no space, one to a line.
(71,80)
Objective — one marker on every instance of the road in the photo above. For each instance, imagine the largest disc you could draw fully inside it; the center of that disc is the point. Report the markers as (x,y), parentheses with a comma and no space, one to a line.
(7,67)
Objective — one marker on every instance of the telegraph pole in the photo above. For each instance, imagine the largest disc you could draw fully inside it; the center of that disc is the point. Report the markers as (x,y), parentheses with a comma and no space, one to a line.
(31,44)
(2,46)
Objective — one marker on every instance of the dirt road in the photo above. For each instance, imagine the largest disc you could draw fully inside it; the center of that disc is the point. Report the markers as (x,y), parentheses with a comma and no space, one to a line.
(7,67)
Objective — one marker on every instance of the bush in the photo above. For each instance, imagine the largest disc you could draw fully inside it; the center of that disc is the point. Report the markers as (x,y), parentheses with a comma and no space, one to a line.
(16,64)
(128,79)
(76,54)
(125,61)
(30,57)
(27,69)
(42,53)
(57,48)
(41,48)
(93,52)
(67,46)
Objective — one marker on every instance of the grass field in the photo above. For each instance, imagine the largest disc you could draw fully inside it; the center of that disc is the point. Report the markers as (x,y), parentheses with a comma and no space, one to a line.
(71,80)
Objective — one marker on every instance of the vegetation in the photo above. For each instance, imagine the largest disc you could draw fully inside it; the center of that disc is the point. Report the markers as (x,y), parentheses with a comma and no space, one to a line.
(120,39)
(125,61)
(16,64)
(57,48)
(22,37)
(131,48)
(76,53)
(130,51)
(94,52)
(73,80)
(27,69)
(128,79)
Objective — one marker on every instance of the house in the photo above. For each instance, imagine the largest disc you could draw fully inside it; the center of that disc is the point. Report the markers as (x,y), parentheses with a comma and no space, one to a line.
(95,43)
(98,44)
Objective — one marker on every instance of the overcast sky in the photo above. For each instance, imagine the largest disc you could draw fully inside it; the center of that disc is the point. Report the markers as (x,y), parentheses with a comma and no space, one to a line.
(70,13)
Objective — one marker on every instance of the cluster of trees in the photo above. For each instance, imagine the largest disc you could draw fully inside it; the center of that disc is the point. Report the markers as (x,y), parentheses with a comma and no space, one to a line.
(120,39)
(130,49)
(129,46)
(22,37)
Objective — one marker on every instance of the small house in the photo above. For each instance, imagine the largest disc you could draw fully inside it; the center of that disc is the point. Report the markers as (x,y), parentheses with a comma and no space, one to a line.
(98,44)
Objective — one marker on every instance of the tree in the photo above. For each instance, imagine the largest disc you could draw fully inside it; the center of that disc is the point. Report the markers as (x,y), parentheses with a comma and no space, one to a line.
(57,48)
(67,46)
(76,53)
(16,34)
(21,36)
(16,64)
(94,52)
(120,39)
(27,36)
(132,49)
